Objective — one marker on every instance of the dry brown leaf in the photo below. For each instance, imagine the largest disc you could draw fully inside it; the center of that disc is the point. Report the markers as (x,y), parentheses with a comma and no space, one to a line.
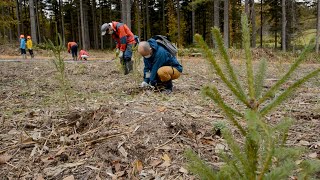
(39,177)
(313,155)
(167,161)
(304,143)
(219,148)
(117,166)
(120,173)
(62,150)
(4,158)
(53,171)
(138,166)
(183,170)
(155,163)
(123,152)
(98,177)
(162,109)
(92,167)
(69,178)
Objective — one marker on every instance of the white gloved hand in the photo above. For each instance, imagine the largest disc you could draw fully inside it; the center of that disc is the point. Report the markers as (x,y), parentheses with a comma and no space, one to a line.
(144,84)
(117,50)
(120,54)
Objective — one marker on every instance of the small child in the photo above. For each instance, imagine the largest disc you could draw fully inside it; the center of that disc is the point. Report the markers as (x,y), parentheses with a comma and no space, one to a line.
(23,46)
(29,46)
(83,55)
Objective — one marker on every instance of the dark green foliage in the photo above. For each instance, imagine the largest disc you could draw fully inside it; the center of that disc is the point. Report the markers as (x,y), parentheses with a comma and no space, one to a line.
(263,155)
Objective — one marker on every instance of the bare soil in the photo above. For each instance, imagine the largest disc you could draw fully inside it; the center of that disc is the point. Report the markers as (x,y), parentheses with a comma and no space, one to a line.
(116,130)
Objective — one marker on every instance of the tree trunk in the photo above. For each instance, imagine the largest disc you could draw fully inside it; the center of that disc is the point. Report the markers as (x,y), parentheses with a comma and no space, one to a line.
(178,19)
(253,22)
(284,22)
(138,10)
(216,13)
(226,24)
(101,37)
(318,28)
(95,32)
(143,12)
(33,22)
(72,28)
(63,35)
(276,36)
(124,11)
(110,19)
(86,27)
(148,19)
(246,7)
(193,22)
(261,24)
(79,28)
(164,17)
(38,22)
(84,46)
(21,17)
(128,13)
(18,18)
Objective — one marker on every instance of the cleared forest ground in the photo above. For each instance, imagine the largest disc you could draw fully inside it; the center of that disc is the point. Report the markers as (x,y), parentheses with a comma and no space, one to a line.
(117,130)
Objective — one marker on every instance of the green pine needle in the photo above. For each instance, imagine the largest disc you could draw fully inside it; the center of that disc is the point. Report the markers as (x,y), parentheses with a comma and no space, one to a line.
(223,51)
(219,71)
(197,166)
(246,45)
(292,69)
(287,93)
(260,77)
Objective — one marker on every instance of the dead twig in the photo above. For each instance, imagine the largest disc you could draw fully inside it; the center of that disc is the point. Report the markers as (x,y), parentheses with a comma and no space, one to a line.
(168,140)
(6,98)
(103,138)
(15,146)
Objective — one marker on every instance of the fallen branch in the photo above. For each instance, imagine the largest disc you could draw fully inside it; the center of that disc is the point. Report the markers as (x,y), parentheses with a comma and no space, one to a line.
(168,140)
(103,138)
(16,145)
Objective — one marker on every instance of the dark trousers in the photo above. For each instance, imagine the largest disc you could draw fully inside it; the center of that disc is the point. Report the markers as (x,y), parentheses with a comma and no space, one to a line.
(23,51)
(74,50)
(30,52)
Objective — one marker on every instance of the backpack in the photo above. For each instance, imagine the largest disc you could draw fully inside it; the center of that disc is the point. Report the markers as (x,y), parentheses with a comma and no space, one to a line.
(164,42)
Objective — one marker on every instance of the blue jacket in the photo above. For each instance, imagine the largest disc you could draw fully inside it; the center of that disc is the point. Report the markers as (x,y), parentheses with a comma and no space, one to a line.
(23,43)
(160,57)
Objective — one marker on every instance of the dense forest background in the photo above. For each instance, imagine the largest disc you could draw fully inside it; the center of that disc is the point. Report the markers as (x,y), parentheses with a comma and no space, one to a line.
(285,24)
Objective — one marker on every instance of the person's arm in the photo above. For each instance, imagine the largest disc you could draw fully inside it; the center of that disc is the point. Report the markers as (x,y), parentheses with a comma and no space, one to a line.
(147,68)
(69,47)
(160,59)
(30,44)
(123,38)
(114,36)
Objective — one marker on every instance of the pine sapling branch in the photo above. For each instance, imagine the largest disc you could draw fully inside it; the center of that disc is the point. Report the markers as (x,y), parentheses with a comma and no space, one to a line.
(218,39)
(259,78)
(209,93)
(276,86)
(287,92)
(219,71)
(246,45)
(218,99)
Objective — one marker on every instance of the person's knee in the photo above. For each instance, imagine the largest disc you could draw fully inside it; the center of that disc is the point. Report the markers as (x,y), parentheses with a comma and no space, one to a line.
(163,74)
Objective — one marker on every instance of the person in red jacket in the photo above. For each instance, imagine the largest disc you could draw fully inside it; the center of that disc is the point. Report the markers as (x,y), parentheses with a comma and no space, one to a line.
(73,47)
(83,55)
(125,40)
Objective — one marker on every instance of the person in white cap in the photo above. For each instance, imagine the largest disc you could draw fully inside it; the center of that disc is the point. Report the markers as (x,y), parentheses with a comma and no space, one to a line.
(125,41)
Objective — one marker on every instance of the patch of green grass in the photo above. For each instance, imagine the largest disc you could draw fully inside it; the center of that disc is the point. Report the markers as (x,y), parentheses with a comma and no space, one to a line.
(305,38)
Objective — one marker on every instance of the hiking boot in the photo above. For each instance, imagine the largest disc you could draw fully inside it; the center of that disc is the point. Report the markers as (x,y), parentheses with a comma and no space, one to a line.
(128,66)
